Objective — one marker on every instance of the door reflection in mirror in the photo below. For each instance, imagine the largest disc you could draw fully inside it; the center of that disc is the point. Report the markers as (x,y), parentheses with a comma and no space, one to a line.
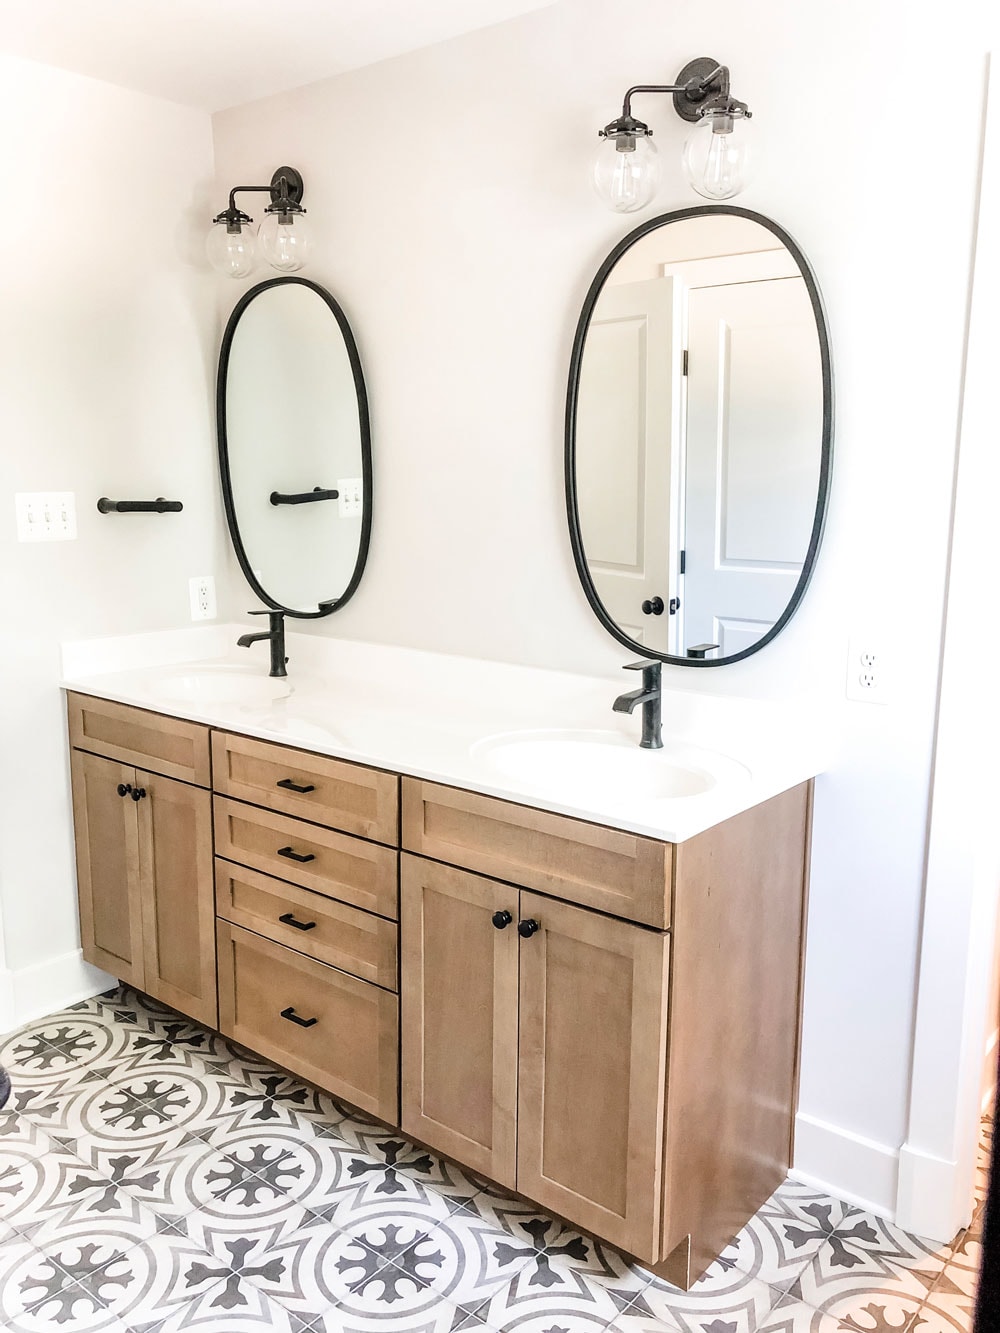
(698,434)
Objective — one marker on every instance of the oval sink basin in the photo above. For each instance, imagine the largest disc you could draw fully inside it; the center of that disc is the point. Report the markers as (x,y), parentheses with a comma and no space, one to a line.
(220,685)
(581,764)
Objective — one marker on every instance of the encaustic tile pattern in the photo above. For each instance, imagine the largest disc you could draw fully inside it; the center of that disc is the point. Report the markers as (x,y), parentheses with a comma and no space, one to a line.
(155,1178)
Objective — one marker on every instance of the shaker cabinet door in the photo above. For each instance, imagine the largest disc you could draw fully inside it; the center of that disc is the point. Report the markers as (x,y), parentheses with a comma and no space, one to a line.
(591,1071)
(177,892)
(107,860)
(459,1015)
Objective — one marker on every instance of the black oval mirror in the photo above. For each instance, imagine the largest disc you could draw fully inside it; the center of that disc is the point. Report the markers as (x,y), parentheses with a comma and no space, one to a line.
(295,447)
(699,433)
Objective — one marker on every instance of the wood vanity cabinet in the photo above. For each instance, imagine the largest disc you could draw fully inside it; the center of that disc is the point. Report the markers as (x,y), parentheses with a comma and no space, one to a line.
(533,1045)
(605,1022)
(636,1080)
(144,853)
(307,872)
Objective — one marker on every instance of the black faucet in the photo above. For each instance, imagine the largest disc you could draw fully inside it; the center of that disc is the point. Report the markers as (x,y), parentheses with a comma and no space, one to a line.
(649,696)
(275,636)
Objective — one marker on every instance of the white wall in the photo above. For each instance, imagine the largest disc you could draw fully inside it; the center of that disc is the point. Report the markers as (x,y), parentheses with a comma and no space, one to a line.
(106,362)
(460,232)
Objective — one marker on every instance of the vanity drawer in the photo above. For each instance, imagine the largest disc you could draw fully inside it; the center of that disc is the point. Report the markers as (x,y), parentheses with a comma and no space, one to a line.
(344,796)
(347,1037)
(619,873)
(349,869)
(164,745)
(331,932)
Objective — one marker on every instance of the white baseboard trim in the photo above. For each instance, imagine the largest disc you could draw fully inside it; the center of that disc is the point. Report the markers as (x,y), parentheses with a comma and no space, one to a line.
(34,992)
(931,1201)
(846,1165)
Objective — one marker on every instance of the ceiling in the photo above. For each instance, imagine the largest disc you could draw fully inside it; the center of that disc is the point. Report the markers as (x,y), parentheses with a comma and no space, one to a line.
(213,54)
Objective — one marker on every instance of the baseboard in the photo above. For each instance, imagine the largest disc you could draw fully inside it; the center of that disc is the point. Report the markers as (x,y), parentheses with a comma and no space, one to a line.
(931,1201)
(34,992)
(845,1165)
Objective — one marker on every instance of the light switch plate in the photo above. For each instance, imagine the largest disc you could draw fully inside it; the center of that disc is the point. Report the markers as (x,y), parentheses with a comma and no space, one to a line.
(351,501)
(45,516)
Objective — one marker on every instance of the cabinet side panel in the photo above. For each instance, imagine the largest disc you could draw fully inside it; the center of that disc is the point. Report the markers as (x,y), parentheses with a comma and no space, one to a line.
(738,923)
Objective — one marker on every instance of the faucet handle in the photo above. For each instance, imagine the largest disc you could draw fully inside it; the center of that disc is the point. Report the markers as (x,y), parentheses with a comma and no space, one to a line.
(651,664)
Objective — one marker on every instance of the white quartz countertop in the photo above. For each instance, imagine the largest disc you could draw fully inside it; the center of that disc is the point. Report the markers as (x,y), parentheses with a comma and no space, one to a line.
(540,738)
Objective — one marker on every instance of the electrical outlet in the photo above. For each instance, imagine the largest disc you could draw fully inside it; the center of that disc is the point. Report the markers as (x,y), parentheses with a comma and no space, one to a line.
(867,672)
(203,597)
(46,516)
(351,500)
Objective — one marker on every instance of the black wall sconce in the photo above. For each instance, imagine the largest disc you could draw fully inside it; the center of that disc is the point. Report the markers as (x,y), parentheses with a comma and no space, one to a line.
(283,238)
(627,170)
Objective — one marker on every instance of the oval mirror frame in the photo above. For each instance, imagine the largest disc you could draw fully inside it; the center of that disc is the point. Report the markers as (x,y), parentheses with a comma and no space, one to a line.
(334,604)
(826,443)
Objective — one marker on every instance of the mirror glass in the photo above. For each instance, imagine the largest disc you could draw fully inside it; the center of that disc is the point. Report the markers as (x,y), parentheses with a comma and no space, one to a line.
(294,446)
(699,428)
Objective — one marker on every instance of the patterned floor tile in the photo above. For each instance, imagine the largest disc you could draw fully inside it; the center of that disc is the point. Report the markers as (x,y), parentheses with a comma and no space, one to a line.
(723,1298)
(946,1310)
(786,1232)
(868,1263)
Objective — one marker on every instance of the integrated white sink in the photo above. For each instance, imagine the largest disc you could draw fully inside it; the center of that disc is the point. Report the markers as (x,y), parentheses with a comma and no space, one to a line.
(224,683)
(580,764)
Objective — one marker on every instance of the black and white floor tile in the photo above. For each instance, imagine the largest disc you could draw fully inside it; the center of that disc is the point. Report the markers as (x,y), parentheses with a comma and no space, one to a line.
(157,1178)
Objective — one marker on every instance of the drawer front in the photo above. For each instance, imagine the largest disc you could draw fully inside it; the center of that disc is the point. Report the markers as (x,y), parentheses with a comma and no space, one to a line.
(619,873)
(163,745)
(331,932)
(348,869)
(309,786)
(347,1038)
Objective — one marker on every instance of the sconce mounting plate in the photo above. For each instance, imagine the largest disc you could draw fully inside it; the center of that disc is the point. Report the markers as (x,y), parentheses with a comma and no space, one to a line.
(294,182)
(687,107)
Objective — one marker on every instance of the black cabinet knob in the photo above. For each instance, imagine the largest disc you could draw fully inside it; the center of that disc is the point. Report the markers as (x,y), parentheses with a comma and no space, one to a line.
(653,607)
(502,920)
(124,789)
(527,928)
(138,793)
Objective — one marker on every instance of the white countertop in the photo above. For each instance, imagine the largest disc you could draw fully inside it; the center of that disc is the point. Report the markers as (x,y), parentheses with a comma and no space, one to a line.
(448,718)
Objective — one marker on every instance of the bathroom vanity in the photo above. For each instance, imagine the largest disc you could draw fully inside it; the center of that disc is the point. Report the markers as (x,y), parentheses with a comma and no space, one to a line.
(600,1019)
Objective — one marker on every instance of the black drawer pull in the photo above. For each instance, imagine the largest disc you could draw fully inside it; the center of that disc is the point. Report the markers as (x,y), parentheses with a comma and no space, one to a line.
(289,920)
(124,789)
(295,856)
(527,928)
(288,784)
(138,793)
(293,1017)
(502,919)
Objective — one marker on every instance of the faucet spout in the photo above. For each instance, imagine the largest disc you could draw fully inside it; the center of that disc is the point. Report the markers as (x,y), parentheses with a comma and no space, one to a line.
(275,636)
(649,697)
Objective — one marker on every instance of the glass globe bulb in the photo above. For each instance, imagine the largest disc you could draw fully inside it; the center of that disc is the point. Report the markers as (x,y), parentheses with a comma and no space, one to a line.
(285,240)
(715,159)
(231,253)
(627,180)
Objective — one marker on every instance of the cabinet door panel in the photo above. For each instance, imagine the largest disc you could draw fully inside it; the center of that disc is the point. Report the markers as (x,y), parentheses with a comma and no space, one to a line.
(171,746)
(349,869)
(590,1086)
(178,900)
(331,932)
(346,1035)
(107,860)
(599,867)
(459,1015)
(327,791)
